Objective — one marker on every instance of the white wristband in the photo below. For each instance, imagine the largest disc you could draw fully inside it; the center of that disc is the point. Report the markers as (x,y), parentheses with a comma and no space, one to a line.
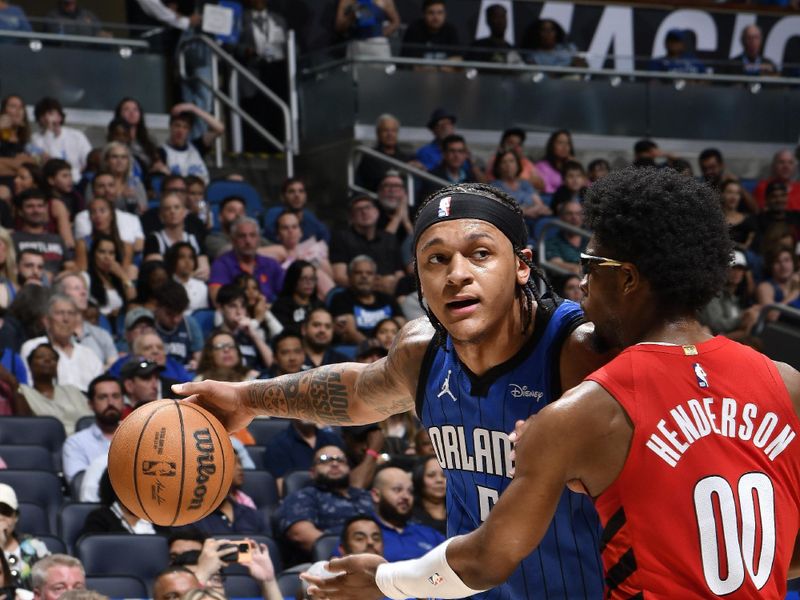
(426,577)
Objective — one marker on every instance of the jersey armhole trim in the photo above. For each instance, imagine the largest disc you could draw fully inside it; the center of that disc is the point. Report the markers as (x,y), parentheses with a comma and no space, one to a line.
(558,344)
(424,370)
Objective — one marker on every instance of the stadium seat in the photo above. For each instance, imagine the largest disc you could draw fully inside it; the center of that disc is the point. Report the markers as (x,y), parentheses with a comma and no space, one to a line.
(267,513)
(263,430)
(143,556)
(272,546)
(75,486)
(261,487)
(47,432)
(290,583)
(117,586)
(84,422)
(38,487)
(295,480)
(241,586)
(325,547)
(220,189)
(256,453)
(71,518)
(33,520)
(27,457)
(55,544)
(205,319)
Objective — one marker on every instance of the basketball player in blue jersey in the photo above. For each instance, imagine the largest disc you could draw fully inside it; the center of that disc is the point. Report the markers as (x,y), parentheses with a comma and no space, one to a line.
(491,352)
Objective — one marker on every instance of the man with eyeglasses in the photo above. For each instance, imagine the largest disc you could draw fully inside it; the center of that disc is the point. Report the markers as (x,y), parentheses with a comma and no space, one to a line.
(324,506)
(77,364)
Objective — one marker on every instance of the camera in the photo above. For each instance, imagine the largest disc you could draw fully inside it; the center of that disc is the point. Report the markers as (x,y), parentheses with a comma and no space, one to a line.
(239,552)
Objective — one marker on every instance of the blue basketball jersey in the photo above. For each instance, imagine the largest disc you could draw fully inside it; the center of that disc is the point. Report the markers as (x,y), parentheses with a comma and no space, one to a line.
(469,418)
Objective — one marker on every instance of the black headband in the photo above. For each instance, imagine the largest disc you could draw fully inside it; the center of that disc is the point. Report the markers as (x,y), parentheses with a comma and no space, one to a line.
(465,205)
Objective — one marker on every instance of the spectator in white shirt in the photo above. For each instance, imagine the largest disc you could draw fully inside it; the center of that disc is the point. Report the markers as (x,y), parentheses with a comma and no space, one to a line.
(181,262)
(58,141)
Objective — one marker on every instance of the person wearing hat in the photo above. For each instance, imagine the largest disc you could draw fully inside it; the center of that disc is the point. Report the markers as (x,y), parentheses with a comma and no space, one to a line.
(677,59)
(140,382)
(20,550)
(731,312)
(364,237)
(442,123)
(45,396)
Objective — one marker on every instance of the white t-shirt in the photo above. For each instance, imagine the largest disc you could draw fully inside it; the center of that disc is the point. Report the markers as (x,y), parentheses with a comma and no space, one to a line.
(128,225)
(78,369)
(71,145)
(185,162)
(198,294)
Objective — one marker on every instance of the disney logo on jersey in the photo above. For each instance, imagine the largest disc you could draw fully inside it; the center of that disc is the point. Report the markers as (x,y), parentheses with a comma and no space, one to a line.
(522,391)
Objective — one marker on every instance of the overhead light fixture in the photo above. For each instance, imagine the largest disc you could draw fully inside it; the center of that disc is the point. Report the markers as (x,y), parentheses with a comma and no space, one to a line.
(471,73)
(538,77)
(679,84)
(755,87)
(615,81)
(35,45)
(390,69)
(125,52)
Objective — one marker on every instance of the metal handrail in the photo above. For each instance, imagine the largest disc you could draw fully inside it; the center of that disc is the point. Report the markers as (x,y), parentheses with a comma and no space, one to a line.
(78,39)
(410,171)
(219,53)
(545,69)
(761,322)
(556,223)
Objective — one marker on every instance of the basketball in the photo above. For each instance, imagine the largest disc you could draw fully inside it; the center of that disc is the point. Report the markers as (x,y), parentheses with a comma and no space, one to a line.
(171,462)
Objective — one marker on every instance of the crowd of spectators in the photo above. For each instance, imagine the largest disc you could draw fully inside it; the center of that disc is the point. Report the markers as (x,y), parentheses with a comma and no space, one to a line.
(117,280)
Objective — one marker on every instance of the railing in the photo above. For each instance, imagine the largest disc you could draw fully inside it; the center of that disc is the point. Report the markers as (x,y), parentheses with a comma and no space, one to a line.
(60,38)
(555,224)
(763,316)
(409,171)
(289,145)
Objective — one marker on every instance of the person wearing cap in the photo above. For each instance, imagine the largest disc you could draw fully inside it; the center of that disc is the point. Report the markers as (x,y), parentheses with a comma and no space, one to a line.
(364,237)
(442,123)
(492,349)
(21,550)
(678,59)
(140,382)
(45,396)
(731,312)
(107,404)
(784,170)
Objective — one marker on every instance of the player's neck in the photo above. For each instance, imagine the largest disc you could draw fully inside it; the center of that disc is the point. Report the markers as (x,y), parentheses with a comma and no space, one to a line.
(499,345)
(679,331)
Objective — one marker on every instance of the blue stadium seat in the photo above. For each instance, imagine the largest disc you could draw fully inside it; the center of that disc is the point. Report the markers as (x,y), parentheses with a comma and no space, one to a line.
(27,457)
(71,518)
(263,430)
(241,586)
(75,486)
(47,432)
(272,547)
(220,189)
(84,423)
(256,453)
(37,487)
(33,520)
(143,556)
(267,513)
(55,544)
(290,583)
(156,181)
(261,487)
(117,586)
(325,547)
(205,319)
(104,323)
(295,480)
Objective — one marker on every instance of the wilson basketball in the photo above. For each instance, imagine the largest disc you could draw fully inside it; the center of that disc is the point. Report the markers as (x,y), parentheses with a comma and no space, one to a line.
(171,462)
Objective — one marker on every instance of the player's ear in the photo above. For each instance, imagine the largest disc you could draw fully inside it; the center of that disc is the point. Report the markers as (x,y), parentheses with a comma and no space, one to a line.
(523,270)
(631,278)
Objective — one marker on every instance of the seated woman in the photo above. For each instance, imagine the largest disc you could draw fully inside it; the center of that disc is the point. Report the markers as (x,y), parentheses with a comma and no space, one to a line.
(289,249)
(257,307)
(298,296)
(21,550)
(113,517)
(152,276)
(104,222)
(782,285)
(172,212)
(221,360)
(129,193)
(15,148)
(430,486)
(8,269)
(507,169)
(109,285)
(548,45)
(181,263)
(385,331)
(46,397)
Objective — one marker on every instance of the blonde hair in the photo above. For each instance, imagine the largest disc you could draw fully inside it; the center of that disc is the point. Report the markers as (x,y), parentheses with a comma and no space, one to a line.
(9,269)
(110,147)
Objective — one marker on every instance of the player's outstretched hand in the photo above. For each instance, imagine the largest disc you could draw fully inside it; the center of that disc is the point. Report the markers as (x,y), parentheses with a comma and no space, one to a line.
(226,401)
(514,437)
(353,579)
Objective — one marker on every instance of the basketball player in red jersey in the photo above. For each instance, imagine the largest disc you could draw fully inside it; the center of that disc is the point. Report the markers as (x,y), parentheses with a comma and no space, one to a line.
(687,443)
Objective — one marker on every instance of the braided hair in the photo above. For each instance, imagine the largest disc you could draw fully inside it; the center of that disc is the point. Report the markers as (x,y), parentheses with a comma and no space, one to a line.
(527,293)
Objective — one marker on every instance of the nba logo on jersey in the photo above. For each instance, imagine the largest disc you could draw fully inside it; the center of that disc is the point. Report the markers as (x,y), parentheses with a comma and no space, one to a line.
(702,378)
(444,207)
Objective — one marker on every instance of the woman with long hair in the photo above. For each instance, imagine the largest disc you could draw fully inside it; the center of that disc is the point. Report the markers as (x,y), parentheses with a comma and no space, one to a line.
(221,360)
(181,263)
(152,275)
(430,486)
(506,170)
(173,211)
(557,152)
(742,226)
(298,296)
(130,195)
(108,283)
(782,286)
(144,148)
(548,45)
(257,306)
(8,269)
(104,222)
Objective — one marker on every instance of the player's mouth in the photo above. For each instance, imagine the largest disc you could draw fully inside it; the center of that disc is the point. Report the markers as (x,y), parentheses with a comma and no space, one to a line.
(462,306)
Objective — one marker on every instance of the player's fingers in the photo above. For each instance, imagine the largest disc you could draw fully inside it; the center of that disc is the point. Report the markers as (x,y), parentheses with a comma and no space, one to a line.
(337,565)
(188,388)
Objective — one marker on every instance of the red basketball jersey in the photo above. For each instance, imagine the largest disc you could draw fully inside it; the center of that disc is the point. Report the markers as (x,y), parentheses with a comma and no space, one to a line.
(708,501)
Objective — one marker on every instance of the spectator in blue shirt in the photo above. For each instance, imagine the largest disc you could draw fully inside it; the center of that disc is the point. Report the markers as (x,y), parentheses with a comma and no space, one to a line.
(12,18)
(293,449)
(294,199)
(393,494)
(678,59)
(323,507)
(443,124)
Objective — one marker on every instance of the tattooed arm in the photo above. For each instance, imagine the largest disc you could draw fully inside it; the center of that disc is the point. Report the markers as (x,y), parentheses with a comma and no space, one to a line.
(339,394)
